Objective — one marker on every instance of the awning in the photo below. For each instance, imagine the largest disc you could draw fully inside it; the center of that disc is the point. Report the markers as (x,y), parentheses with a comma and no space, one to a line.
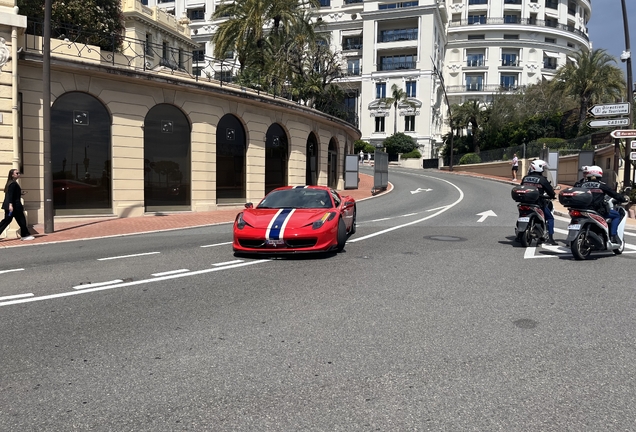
(572,59)
(551,54)
(354,32)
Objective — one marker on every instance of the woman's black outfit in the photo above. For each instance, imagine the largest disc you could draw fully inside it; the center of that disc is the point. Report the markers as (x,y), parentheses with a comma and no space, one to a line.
(13,195)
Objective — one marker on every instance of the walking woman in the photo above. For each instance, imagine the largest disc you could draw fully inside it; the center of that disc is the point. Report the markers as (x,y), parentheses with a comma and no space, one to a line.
(12,206)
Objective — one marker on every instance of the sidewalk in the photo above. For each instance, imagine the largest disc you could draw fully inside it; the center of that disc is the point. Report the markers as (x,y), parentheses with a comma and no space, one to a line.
(70,229)
(558,208)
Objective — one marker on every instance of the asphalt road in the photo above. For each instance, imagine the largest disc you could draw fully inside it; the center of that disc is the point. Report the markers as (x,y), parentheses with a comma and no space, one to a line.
(430,319)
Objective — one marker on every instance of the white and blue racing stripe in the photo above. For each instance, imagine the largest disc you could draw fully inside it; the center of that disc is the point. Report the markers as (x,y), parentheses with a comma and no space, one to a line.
(276,227)
(300,187)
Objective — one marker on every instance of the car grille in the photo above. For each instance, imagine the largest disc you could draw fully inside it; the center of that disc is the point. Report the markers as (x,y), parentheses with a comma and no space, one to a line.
(297,243)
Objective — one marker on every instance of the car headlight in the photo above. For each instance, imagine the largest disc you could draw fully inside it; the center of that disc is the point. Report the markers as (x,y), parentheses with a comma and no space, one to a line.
(320,222)
(240,222)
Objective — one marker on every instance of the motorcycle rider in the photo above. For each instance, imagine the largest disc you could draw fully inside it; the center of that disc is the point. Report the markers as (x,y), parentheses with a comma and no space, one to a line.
(592,180)
(536,178)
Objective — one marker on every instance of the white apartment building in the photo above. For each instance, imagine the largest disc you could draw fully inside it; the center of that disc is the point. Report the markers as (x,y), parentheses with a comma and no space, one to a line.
(481,46)
(499,45)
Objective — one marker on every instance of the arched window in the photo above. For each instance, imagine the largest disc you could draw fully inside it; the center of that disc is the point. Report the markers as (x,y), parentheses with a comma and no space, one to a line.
(276,156)
(166,159)
(312,160)
(230,160)
(81,155)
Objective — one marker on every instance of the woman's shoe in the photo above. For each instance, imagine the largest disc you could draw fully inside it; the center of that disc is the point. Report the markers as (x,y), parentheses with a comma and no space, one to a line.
(28,238)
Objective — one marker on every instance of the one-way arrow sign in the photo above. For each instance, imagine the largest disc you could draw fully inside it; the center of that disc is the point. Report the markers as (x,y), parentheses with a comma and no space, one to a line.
(608,122)
(485,214)
(608,110)
(418,190)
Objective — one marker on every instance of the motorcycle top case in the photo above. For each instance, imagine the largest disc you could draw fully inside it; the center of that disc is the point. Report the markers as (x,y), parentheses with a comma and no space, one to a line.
(575,197)
(525,194)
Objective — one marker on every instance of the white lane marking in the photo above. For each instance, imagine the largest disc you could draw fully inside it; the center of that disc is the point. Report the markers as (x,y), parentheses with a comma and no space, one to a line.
(408,214)
(97,284)
(383,219)
(127,256)
(12,270)
(127,284)
(485,214)
(227,263)
(438,208)
(418,190)
(443,209)
(166,273)
(216,244)
(17,296)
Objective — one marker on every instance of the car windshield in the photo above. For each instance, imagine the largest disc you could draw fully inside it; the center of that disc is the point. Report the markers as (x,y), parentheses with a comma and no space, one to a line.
(297,198)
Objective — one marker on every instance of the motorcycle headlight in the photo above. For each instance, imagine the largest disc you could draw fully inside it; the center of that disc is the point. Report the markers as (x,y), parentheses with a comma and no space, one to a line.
(320,222)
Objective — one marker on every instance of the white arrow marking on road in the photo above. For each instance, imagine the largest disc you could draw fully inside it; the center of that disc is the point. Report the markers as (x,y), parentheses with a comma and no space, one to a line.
(485,214)
(418,190)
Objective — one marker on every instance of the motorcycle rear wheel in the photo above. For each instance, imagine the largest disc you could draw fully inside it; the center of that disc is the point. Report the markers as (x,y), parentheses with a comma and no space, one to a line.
(581,247)
(525,237)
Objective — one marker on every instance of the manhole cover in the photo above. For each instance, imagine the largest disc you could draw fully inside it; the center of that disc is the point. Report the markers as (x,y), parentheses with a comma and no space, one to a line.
(445,238)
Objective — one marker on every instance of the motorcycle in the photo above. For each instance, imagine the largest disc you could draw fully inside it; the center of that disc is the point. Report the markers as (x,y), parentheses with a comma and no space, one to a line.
(531,224)
(589,230)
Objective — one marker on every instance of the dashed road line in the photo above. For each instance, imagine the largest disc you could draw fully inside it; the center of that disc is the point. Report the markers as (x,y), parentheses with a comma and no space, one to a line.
(96,284)
(127,256)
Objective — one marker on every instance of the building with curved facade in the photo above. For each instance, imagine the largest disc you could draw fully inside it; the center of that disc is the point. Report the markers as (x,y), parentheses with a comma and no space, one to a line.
(501,45)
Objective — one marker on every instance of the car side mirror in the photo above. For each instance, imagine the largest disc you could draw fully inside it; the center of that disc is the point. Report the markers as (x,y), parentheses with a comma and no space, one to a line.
(249,205)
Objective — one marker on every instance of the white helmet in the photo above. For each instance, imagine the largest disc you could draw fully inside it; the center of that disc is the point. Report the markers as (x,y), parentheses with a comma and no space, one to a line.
(592,171)
(538,165)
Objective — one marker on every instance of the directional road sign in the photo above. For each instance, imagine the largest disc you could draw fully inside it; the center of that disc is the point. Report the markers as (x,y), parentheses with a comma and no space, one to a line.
(633,145)
(608,110)
(632,155)
(623,133)
(608,122)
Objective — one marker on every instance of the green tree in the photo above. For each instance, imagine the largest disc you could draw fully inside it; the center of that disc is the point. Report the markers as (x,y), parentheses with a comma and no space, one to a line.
(591,79)
(85,21)
(398,97)
(399,143)
(470,114)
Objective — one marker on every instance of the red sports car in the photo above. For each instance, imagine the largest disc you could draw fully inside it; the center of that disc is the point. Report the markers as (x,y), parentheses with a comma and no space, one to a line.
(294,219)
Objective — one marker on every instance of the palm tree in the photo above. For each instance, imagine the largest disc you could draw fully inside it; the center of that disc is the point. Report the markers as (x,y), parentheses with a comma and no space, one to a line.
(591,79)
(398,97)
(470,113)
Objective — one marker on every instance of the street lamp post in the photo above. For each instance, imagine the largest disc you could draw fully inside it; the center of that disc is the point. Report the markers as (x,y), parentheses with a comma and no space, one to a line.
(630,96)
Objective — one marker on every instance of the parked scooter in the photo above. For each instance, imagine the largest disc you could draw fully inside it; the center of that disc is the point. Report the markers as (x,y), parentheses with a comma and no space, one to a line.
(531,224)
(589,230)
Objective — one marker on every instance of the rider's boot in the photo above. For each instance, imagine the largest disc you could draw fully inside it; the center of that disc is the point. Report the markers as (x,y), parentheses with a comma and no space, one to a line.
(551,241)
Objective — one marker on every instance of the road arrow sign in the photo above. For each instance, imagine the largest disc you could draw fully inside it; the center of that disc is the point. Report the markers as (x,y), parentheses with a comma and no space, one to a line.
(623,133)
(605,110)
(485,214)
(608,122)
(418,190)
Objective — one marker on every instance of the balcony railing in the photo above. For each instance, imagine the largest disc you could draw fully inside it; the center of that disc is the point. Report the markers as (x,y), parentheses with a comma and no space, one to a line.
(397,65)
(351,46)
(398,35)
(510,62)
(491,88)
(475,63)
(522,21)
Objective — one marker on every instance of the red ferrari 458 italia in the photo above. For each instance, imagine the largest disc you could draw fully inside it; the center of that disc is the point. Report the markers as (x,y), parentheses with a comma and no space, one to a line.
(295,219)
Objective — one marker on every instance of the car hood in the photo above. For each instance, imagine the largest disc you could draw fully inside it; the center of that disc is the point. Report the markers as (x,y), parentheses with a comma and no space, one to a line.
(262,218)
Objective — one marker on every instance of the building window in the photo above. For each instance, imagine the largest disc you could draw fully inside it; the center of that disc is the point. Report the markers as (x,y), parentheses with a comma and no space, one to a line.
(551,22)
(509,82)
(476,37)
(549,63)
(198,55)
(477,19)
(474,82)
(196,14)
(397,62)
(352,43)
(552,4)
(511,19)
(409,123)
(353,66)
(325,3)
(380,90)
(379,124)
(474,60)
(511,36)
(550,40)
(411,89)
(196,71)
(398,5)
(398,35)
(477,2)
(164,51)
(149,45)
(513,2)
(509,59)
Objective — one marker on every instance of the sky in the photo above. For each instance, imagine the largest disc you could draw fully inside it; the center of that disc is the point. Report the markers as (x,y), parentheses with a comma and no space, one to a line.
(606,31)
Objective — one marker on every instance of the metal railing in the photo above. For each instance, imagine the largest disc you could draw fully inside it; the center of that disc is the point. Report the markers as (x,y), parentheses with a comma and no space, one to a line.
(490,88)
(520,21)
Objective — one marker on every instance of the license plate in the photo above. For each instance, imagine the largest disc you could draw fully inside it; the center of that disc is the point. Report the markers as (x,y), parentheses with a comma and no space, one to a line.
(574,227)
(275,242)
(523,219)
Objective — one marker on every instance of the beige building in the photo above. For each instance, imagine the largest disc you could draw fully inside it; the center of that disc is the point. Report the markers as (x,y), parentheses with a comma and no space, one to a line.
(127,139)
